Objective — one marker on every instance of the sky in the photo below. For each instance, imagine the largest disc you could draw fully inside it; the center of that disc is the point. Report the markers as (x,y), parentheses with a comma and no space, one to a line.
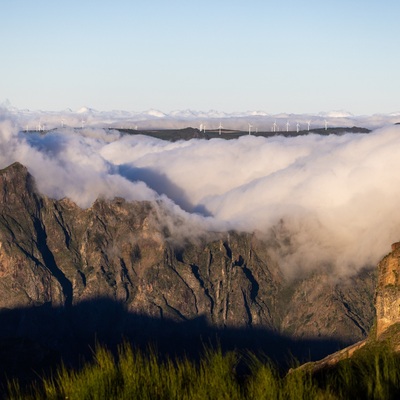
(277,56)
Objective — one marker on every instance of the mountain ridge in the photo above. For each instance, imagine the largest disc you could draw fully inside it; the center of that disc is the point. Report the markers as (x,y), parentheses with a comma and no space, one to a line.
(55,255)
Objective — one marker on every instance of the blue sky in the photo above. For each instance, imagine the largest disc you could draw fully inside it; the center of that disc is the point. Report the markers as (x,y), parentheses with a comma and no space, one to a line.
(277,56)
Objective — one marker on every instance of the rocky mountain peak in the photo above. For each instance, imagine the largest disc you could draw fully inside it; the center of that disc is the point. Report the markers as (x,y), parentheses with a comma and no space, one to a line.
(16,186)
(14,176)
(64,271)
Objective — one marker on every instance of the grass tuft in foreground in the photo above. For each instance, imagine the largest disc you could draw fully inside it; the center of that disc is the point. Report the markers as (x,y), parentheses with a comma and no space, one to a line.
(372,373)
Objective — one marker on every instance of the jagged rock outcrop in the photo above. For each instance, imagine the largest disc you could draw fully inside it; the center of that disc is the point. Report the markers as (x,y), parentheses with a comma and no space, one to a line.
(53,252)
(387,317)
(387,298)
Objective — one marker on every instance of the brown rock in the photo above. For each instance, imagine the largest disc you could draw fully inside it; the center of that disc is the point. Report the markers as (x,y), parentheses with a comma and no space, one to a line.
(53,252)
(387,297)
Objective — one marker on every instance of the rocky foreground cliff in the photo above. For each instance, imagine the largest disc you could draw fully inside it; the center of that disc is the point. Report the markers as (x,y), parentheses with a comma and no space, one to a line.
(114,270)
(386,328)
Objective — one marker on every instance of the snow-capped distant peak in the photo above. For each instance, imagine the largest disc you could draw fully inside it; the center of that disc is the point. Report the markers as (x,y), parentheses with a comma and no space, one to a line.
(258,113)
(84,110)
(185,114)
(337,114)
(155,113)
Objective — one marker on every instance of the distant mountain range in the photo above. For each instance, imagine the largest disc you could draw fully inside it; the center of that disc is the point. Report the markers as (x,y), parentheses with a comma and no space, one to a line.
(212,119)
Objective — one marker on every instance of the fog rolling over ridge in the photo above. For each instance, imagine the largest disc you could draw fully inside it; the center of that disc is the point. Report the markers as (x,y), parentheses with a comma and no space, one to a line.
(322,201)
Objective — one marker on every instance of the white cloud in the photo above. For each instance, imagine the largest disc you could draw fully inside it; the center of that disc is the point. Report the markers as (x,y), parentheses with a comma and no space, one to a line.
(320,200)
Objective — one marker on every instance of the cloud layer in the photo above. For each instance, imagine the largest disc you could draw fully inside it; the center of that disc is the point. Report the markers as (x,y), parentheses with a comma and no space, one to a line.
(320,200)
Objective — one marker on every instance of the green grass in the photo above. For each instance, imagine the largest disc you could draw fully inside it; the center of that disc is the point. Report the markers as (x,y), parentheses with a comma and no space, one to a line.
(372,373)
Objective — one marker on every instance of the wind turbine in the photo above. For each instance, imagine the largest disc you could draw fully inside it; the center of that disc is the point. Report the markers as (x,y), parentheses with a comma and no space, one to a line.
(274,127)
(220,127)
(297,127)
(201,128)
(287,126)
(250,126)
(308,125)
(326,125)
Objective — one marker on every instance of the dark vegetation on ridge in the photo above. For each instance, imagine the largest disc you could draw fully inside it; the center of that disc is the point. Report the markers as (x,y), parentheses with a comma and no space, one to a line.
(194,133)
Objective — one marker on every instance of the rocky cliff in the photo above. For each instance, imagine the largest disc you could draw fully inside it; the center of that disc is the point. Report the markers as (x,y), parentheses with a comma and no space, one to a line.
(57,256)
(386,327)
(387,298)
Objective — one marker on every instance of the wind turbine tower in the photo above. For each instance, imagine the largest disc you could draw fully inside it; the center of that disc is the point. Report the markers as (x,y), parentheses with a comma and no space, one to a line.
(308,125)
(274,127)
(220,127)
(287,126)
(250,126)
(326,125)
(298,127)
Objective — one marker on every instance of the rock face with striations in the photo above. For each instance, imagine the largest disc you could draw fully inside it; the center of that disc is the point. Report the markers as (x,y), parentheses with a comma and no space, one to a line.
(387,319)
(387,297)
(56,254)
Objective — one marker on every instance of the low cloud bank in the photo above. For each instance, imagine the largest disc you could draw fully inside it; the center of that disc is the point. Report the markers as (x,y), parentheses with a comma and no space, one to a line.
(320,200)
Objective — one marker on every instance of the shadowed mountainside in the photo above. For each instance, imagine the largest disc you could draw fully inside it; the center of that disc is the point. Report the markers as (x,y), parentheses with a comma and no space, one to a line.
(34,339)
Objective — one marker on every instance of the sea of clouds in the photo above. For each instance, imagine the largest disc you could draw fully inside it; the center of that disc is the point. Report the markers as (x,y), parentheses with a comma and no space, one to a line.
(322,200)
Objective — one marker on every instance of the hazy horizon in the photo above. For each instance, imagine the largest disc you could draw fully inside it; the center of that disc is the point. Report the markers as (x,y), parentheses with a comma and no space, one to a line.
(178,119)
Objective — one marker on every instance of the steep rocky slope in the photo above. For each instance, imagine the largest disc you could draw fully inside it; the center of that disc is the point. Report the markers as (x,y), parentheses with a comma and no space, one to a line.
(56,255)
(386,327)
(387,297)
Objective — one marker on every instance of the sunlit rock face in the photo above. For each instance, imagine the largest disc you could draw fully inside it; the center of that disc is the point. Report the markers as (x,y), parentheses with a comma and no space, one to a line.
(387,318)
(387,299)
(56,253)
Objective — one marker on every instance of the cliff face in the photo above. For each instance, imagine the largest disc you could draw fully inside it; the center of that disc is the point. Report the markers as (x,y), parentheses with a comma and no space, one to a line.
(387,317)
(387,297)
(52,252)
